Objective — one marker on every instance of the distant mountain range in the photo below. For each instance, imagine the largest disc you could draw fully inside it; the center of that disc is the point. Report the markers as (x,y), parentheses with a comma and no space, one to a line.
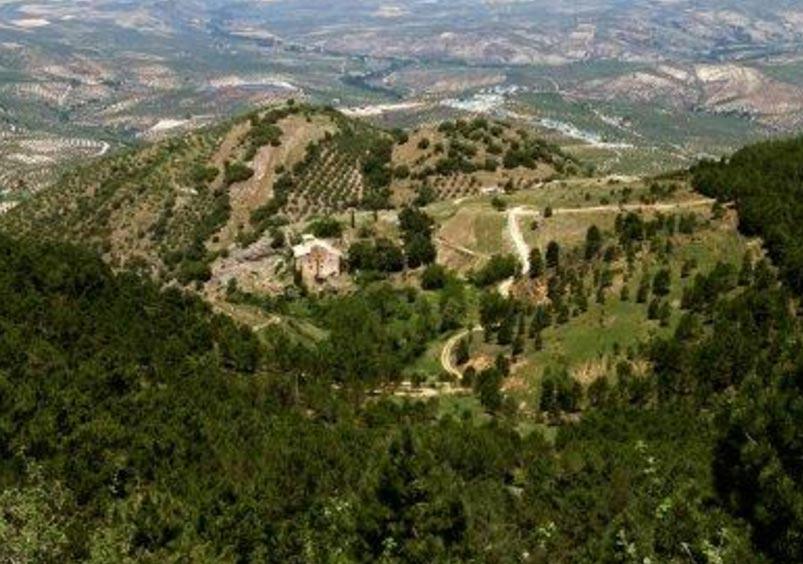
(81,78)
(540,32)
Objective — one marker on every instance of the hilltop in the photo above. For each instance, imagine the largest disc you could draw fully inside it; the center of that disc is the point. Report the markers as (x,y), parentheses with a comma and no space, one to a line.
(708,79)
(194,208)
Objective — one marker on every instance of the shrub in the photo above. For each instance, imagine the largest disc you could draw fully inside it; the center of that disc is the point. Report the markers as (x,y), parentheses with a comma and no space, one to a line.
(237,172)
(326,228)
(498,203)
(193,271)
(498,268)
(204,174)
(434,277)
(553,255)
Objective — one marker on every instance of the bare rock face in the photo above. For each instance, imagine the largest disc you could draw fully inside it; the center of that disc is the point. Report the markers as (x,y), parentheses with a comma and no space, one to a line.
(738,89)
(728,88)
(674,88)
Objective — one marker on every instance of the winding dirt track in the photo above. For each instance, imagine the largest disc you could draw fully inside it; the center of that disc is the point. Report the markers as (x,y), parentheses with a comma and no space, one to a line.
(637,207)
(447,354)
(523,252)
(515,234)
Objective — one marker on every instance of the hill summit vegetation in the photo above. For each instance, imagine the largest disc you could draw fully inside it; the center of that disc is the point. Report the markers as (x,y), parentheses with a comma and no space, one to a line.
(171,209)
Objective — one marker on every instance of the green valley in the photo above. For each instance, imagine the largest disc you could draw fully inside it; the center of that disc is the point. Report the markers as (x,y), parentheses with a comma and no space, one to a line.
(467,281)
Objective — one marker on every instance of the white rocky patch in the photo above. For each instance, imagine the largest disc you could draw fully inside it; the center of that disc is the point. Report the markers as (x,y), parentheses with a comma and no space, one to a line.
(167,125)
(31,23)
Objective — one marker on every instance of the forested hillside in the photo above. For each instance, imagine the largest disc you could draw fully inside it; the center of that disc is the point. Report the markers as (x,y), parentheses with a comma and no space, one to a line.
(137,426)
(766,182)
(176,208)
(759,459)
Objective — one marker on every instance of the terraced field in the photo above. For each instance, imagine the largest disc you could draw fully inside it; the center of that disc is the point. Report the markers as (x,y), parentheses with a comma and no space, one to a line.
(31,161)
(334,184)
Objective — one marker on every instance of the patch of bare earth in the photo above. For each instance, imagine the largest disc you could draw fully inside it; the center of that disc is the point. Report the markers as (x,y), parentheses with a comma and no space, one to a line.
(247,196)
(589,372)
(456,242)
(479,363)
(516,382)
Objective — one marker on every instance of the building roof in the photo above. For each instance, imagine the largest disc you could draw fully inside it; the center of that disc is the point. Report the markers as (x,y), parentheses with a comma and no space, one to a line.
(310,243)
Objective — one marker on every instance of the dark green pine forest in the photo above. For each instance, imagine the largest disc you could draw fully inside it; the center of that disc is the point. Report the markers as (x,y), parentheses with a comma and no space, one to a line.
(138,426)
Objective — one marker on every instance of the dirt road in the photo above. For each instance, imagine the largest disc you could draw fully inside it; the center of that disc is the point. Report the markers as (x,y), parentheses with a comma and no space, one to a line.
(522,249)
(517,237)
(636,207)
(447,354)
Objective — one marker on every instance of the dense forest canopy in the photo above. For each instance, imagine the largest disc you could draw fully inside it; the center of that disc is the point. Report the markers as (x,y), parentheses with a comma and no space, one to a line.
(766,182)
(136,424)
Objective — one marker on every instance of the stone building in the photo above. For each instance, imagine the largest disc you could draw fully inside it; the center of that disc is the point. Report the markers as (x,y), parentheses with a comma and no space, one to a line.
(317,260)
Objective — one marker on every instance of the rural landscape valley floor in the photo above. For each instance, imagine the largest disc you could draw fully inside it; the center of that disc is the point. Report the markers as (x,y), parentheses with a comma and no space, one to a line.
(401,281)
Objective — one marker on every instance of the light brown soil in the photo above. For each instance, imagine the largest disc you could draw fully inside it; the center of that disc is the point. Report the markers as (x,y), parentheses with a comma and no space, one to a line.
(247,196)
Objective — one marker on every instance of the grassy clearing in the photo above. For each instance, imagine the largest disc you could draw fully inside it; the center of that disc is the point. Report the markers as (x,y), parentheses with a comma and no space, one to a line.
(590,341)
(593,336)
(489,229)
(463,408)
(474,225)
(716,245)
(568,230)
(429,363)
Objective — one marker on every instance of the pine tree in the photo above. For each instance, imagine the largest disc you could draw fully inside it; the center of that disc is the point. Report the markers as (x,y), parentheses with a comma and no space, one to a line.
(662,282)
(462,352)
(538,342)
(536,263)
(748,270)
(598,392)
(654,309)
(518,345)
(563,313)
(665,314)
(593,242)
(643,293)
(548,392)
(488,386)
(541,320)
(553,255)
(518,341)
(505,334)
(601,295)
